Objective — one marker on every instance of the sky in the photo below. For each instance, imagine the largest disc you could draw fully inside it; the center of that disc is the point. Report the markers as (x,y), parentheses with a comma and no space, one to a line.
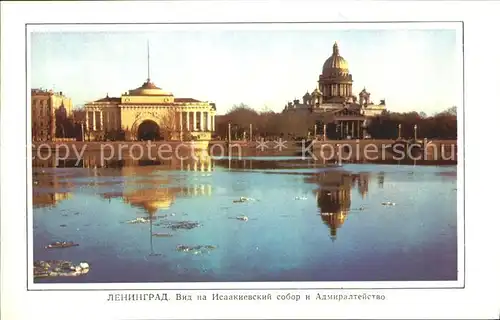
(412,69)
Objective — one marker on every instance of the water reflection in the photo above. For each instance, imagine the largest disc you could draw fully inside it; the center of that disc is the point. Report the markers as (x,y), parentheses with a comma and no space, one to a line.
(148,192)
(41,200)
(138,183)
(333,196)
(310,203)
(199,161)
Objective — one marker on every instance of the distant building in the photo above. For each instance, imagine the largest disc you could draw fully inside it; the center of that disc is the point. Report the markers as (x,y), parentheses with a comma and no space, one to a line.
(149,113)
(334,99)
(46,107)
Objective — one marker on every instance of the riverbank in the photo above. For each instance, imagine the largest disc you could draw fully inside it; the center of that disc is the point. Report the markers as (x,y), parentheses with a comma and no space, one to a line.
(344,150)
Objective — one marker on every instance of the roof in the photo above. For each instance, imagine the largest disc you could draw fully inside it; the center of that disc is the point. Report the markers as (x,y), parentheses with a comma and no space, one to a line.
(148,85)
(109,99)
(185,100)
(79,115)
(148,88)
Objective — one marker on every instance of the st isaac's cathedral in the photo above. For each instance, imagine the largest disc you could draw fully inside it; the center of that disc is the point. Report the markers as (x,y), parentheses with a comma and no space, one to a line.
(333,98)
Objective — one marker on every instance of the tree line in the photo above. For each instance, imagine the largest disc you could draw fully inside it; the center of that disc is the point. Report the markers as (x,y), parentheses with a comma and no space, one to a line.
(289,125)
(442,125)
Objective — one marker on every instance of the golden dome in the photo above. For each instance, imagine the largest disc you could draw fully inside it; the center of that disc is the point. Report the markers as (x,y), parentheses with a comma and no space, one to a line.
(148,89)
(335,61)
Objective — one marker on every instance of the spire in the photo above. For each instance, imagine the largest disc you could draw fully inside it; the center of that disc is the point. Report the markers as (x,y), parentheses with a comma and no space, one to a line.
(335,49)
(148,64)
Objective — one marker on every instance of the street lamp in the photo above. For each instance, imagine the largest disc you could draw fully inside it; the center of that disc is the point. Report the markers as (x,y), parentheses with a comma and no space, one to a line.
(82,128)
(399,131)
(415,131)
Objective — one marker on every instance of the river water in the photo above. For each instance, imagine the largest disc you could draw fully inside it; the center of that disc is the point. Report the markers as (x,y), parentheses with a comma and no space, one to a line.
(298,220)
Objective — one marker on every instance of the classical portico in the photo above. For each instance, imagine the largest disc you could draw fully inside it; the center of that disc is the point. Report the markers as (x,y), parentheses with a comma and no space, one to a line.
(149,113)
(347,123)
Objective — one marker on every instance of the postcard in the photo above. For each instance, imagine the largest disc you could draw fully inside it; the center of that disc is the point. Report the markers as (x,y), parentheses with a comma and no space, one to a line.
(207,166)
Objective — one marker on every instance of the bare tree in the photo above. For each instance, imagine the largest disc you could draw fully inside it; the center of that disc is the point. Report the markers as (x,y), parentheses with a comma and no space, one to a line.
(169,124)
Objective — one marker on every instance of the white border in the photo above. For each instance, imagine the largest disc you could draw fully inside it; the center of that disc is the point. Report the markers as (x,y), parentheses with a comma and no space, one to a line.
(477,300)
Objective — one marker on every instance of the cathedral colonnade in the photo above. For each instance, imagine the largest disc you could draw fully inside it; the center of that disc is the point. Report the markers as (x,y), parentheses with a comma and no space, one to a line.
(349,128)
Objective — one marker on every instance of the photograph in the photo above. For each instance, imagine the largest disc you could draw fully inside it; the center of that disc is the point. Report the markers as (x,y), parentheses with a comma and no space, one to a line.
(249,160)
(245,153)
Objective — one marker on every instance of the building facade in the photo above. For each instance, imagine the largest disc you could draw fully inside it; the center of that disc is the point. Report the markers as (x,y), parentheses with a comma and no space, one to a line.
(333,98)
(149,113)
(47,107)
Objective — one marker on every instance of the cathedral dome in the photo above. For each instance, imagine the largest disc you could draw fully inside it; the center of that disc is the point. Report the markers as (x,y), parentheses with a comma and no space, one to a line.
(336,62)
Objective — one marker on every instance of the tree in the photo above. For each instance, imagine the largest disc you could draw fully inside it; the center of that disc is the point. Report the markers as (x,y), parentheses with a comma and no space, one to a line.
(441,125)
(449,112)
(168,124)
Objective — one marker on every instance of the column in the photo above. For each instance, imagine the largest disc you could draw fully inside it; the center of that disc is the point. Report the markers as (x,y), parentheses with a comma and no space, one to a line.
(202,121)
(213,122)
(188,127)
(352,129)
(115,118)
(180,122)
(209,121)
(86,120)
(93,120)
(359,127)
(195,127)
(341,129)
(101,114)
